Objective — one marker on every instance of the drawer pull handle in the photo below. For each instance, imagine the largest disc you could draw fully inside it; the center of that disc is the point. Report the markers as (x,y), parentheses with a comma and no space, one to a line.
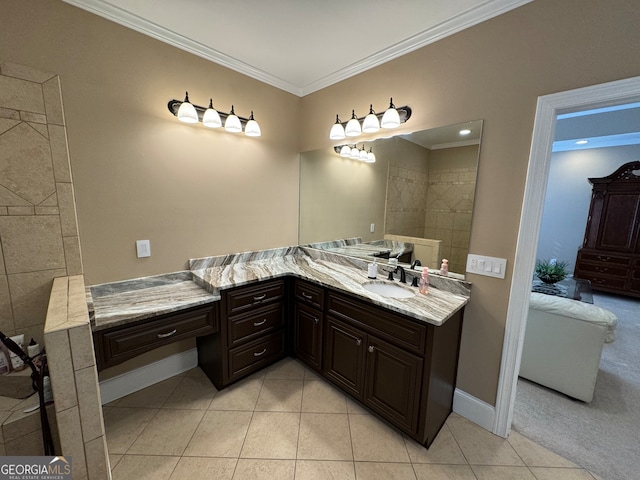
(259,297)
(257,354)
(316,320)
(165,335)
(307,296)
(371,348)
(257,324)
(358,342)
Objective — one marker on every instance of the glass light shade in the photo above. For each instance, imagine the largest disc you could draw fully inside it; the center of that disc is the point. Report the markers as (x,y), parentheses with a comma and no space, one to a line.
(353,128)
(391,118)
(371,157)
(355,153)
(345,151)
(371,123)
(187,112)
(337,131)
(232,123)
(211,118)
(363,154)
(252,129)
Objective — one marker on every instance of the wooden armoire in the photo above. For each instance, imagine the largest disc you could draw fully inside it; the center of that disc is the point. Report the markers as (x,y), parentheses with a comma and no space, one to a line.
(610,255)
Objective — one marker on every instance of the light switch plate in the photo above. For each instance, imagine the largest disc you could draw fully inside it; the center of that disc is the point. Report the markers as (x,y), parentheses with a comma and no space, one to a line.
(143,248)
(489,266)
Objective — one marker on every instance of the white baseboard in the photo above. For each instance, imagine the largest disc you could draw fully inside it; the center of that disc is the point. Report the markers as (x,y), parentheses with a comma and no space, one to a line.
(474,409)
(130,382)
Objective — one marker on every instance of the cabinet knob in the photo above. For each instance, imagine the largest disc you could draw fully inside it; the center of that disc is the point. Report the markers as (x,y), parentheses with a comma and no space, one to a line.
(371,348)
(307,296)
(257,298)
(257,324)
(257,354)
(316,320)
(358,342)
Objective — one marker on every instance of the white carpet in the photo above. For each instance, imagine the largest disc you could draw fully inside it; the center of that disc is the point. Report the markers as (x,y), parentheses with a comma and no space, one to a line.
(604,435)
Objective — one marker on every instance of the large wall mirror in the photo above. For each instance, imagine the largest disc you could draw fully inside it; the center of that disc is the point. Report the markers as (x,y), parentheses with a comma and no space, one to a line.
(421,185)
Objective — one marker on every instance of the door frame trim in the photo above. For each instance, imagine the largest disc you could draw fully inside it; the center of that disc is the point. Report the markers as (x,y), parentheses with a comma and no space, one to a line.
(548,108)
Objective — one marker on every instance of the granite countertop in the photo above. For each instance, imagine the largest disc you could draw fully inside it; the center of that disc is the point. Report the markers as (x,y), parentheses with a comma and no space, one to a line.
(118,303)
(339,272)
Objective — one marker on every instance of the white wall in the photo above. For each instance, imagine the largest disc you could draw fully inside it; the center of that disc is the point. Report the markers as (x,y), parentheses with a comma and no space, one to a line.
(566,205)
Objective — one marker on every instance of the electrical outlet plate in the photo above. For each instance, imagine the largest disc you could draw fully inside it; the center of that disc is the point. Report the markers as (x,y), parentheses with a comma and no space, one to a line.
(143,248)
(488,266)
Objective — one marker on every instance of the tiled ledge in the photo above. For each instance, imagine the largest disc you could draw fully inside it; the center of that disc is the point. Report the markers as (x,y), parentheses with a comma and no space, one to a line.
(74,379)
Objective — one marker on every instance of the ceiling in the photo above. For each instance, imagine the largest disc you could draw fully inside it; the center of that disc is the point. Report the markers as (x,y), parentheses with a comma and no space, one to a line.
(299,46)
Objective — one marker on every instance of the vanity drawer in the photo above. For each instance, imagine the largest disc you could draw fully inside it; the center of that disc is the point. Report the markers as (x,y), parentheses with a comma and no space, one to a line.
(118,344)
(245,327)
(309,293)
(384,324)
(243,298)
(256,355)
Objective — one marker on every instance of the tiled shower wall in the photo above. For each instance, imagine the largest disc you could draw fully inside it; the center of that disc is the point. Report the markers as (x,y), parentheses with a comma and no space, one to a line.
(448,213)
(38,229)
(430,202)
(407,195)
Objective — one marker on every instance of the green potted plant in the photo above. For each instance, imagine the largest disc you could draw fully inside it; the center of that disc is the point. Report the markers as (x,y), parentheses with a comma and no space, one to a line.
(551,271)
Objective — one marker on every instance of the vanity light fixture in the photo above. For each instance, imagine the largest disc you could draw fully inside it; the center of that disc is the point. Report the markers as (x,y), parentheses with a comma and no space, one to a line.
(189,113)
(391,118)
(355,153)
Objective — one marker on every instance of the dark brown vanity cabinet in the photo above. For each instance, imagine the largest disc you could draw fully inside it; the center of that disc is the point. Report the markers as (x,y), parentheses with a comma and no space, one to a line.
(308,322)
(252,332)
(118,344)
(402,369)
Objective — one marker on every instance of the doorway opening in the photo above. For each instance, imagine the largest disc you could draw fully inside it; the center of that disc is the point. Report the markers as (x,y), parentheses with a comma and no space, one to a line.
(548,108)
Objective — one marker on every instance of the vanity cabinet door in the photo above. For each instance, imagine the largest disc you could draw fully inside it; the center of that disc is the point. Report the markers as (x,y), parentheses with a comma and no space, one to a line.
(344,356)
(307,340)
(393,379)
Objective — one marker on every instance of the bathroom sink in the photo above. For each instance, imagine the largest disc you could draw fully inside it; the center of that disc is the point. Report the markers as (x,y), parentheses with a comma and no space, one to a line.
(388,289)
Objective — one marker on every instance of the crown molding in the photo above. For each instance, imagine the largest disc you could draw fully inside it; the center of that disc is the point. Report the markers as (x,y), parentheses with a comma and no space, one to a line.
(469,18)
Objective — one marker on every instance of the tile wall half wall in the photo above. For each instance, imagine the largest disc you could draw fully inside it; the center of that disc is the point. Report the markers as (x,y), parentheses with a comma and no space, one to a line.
(38,228)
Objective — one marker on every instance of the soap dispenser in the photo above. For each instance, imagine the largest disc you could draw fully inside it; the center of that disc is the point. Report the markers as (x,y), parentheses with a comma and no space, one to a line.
(423,286)
(372,270)
(444,268)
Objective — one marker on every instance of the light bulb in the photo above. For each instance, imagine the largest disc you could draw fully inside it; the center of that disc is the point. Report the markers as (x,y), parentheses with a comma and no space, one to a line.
(371,157)
(391,118)
(232,123)
(337,130)
(371,123)
(355,153)
(353,126)
(252,129)
(211,118)
(345,151)
(363,154)
(187,112)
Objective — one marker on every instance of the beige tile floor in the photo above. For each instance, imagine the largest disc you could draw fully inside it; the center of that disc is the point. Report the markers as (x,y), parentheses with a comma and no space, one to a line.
(287,423)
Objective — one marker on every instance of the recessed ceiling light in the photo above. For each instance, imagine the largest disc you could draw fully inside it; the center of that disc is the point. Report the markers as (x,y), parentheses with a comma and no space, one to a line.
(582,142)
(466,131)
